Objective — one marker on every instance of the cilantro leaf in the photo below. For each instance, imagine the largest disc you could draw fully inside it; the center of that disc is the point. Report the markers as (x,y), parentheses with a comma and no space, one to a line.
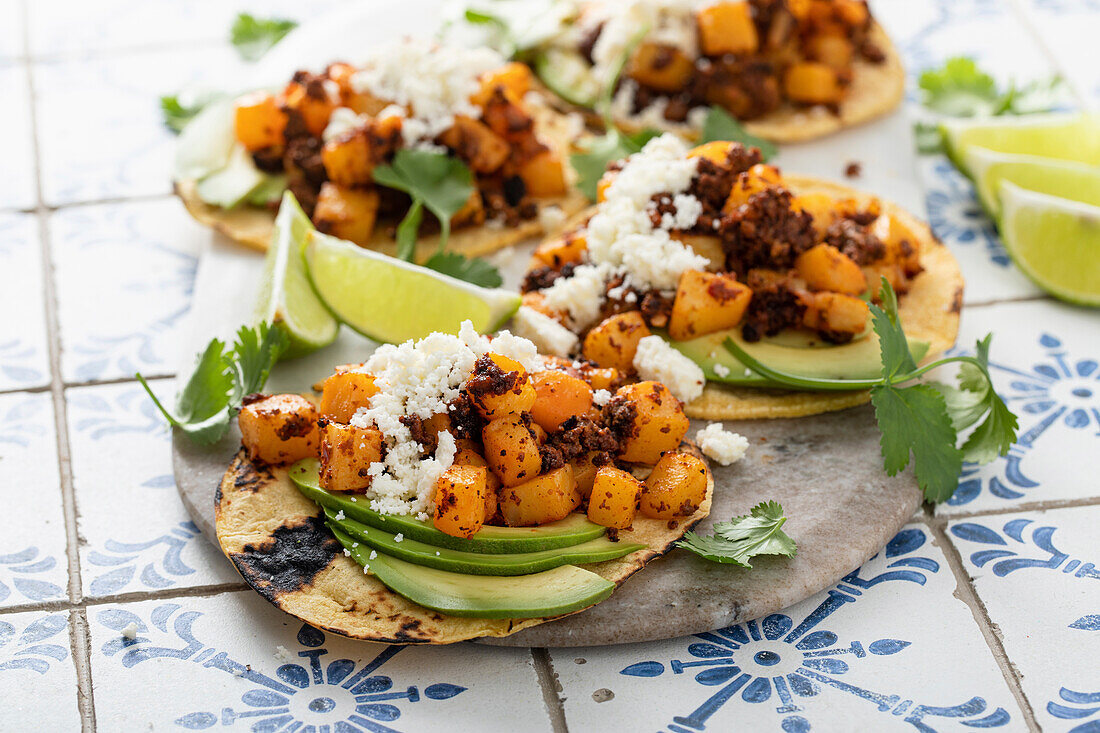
(893,345)
(961,89)
(742,538)
(915,420)
(721,125)
(592,161)
(253,36)
(929,139)
(212,395)
(1036,96)
(435,181)
(471,269)
(179,109)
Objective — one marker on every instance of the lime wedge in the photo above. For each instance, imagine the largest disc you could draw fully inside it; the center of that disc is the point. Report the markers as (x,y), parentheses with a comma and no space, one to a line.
(1054,241)
(1063,178)
(392,301)
(287,298)
(1062,136)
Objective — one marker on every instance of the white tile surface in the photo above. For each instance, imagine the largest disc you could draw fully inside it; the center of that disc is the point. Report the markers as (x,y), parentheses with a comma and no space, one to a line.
(11,32)
(889,648)
(24,358)
(136,534)
(33,565)
(179,673)
(1037,576)
(1068,29)
(37,678)
(1045,363)
(124,275)
(17,185)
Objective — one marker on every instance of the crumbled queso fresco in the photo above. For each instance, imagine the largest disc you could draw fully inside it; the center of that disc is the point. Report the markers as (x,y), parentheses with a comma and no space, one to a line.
(656,360)
(721,445)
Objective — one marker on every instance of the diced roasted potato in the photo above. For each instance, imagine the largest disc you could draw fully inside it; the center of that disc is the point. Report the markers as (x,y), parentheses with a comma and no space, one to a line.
(346,454)
(537,301)
(614,341)
(659,422)
(347,213)
(543,175)
(557,252)
(473,141)
(851,12)
(603,184)
(750,182)
(831,49)
(837,314)
(820,206)
(350,388)
(727,27)
(469,455)
(472,212)
(560,396)
(279,429)
(661,67)
(347,159)
(824,267)
(540,500)
(676,487)
(514,77)
(315,104)
(506,115)
(459,500)
(602,377)
(707,302)
(511,450)
(258,122)
(716,151)
(584,473)
(705,245)
(901,243)
(812,82)
(513,401)
(614,499)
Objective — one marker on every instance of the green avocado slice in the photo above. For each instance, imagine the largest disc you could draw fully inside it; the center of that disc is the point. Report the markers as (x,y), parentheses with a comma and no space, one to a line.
(550,593)
(573,530)
(794,353)
(475,563)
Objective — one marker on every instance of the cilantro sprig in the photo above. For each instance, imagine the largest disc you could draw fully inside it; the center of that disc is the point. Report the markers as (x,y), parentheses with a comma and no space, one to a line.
(253,37)
(179,109)
(921,422)
(223,377)
(742,538)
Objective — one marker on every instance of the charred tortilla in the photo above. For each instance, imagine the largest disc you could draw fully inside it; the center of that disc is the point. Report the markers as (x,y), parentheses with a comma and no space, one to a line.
(278,542)
(252,225)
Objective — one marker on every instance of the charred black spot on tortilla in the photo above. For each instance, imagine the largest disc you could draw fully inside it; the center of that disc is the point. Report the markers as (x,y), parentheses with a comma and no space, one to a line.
(251,476)
(957,301)
(289,560)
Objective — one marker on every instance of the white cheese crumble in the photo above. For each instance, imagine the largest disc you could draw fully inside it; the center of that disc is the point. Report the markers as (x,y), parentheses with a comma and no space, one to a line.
(340,516)
(549,336)
(551,218)
(373,554)
(580,295)
(721,445)
(398,537)
(432,82)
(130,631)
(347,552)
(721,370)
(601,397)
(342,120)
(656,360)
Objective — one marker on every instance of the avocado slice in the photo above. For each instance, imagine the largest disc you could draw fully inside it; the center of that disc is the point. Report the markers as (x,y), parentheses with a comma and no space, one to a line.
(550,593)
(573,530)
(475,563)
(795,353)
(234,183)
(568,75)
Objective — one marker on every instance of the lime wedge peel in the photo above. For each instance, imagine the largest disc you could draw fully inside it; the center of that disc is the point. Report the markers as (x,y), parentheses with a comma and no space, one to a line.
(392,301)
(1074,136)
(1055,242)
(287,299)
(1062,178)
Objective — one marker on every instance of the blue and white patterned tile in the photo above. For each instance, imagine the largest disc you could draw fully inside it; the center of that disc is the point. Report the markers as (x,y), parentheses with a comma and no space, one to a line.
(136,533)
(37,677)
(1037,575)
(1068,28)
(99,121)
(24,357)
(17,185)
(124,276)
(888,648)
(33,564)
(1045,363)
(235,662)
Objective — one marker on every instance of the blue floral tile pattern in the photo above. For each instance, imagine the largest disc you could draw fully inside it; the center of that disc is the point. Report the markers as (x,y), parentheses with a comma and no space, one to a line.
(33,566)
(135,324)
(1037,576)
(854,653)
(24,361)
(37,678)
(282,675)
(137,534)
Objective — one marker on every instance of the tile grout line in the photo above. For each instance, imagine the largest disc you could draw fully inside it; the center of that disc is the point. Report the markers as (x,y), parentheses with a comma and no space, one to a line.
(551,689)
(79,643)
(1023,17)
(966,593)
(198,591)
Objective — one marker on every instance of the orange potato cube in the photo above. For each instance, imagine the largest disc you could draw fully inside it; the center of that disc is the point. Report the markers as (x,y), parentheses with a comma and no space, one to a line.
(459,500)
(279,429)
(347,213)
(716,151)
(659,423)
(543,175)
(812,82)
(511,450)
(584,473)
(474,142)
(614,341)
(514,77)
(727,27)
(315,110)
(602,377)
(602,185)
(559,397)
(836,313)
(752,181)
(705,245)
(468,455)
(350,388)
(540,500)
(824,267)
(514,401)
(614,499)
(661,67)
(831,49)
(707,302)
(676,487)
(557,252)
(347,159)
(346,454)
(851,12)
(820,206)
(258,122)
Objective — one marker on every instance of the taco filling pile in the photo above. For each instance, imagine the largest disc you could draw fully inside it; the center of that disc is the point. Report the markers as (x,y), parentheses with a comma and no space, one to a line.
(457,487)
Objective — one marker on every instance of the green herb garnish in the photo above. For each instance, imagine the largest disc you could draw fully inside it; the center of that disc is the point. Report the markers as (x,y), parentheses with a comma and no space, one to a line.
(922,421)
(743,538)
(253,36)
(179,109)
(721,125)
(591,163)
(222,378)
